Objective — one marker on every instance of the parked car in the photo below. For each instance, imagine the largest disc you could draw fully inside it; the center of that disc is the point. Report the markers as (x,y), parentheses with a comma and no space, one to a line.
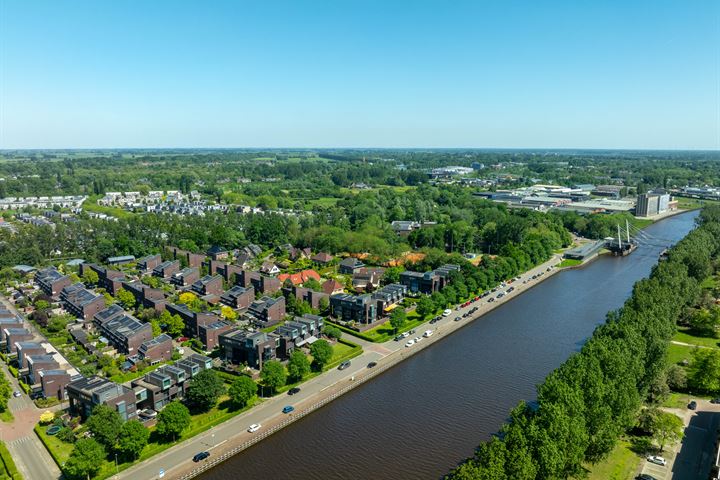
(715,400)
(410,343)
(200,456)
(294,390)
(645,476)
(400,337)
(657,460)
(344,365)
(428,333)
(254,427)
(692,405)
(288,409)
(447,312)
(16,393)
(372,364)
(457,319)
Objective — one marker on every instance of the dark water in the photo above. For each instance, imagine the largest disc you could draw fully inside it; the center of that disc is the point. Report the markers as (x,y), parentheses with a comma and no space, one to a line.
(422,417)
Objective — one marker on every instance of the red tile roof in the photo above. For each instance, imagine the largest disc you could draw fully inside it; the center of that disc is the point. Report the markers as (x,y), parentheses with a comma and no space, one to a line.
(300,277)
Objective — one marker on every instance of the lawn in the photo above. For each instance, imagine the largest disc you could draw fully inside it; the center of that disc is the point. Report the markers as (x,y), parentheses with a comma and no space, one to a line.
(569,262)
(622,464)
(678,353)
(323,202)
(686,335)
(710,282)
(6,416)
(385,332)
(91,205)
(342,350)
(676,400)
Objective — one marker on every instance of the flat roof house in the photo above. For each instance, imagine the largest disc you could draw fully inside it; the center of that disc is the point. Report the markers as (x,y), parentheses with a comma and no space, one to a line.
(428,282)
(11,322)
(166,269)
(267,311)
(238,297)
(86,393)
(38,363)
(350,265)
(25,350)
(208,285)
(125,332)
(358,308)
(193,320)
(209,334)
(254,349)
(14,336)
(158,349)
(185,277)
(54,382)
(148,263)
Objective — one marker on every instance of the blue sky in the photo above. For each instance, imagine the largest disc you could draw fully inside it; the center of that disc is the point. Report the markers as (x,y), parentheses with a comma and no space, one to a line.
(517,74)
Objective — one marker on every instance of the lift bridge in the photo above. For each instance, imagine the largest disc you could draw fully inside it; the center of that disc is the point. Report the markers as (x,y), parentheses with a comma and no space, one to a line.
(620,246)
(626,242)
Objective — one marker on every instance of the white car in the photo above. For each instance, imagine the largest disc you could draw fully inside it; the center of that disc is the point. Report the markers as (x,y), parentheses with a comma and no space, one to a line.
(427,333)
(16,393)
(447,312)
(254,427)
(657,460)
(405,334)
(417,339)
(410,343)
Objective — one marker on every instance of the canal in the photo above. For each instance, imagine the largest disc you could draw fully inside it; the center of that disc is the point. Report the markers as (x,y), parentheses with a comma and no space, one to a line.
(422,417)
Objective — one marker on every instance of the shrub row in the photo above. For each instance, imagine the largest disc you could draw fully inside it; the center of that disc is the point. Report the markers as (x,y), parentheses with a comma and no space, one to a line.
(10,467)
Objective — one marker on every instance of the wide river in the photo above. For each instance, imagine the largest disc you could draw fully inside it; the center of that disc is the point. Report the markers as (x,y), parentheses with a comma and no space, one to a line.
(422,417)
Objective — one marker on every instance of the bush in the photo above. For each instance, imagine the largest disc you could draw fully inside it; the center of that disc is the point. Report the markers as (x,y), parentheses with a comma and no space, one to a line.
(46,402)
(8,463)
(13,371)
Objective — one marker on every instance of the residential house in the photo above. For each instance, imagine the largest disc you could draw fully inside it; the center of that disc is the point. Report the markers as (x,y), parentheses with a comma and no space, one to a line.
(208,334)
(14,336)
(25,349)
(367,278)
(254,349)
(269,268)
(332,286)
(147,264)
(188,258)
(218,253)
(267,311)
(192,320)
(51,281)
(169,382)
(54,382)
(300,277)
(185,277)
(147,296)
(120,260)
(125,332)
(208,285)
(322,258)
(238,297)
(353,308)
(303,294)
(167,269)
(8,323)
(38,363)
(389,296)
(428,282)
(158,349)
(350,265)
(263,284)
(86,393)
(81,302)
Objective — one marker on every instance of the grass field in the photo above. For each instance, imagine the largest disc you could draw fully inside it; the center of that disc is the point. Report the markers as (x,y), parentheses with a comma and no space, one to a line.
(622,464)
(569,262)
(686,335)
(385,332)
(91,205)
(323,202)
(678,353)
(6,416)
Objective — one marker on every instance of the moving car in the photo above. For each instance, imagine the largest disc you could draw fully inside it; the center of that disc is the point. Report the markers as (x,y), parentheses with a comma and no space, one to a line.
(254,427)
(372,364)
(200,456)
(294,390)
(16,393)
(692,405)
(410,343)
(400,337)
(657,460)
(457,319)
(491,299)
(447,312)
(344,365)
(428,333)
(288,409)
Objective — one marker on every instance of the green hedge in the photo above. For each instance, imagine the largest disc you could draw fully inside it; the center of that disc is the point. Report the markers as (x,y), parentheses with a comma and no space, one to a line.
(25,387)
(51,451)
(229,377)
(351,331)
(356,351)
(9,464)
(13,371)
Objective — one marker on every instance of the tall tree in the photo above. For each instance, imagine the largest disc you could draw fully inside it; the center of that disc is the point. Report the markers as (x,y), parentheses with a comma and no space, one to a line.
(298,366)
(133,438)
(242,391)
(321,352)
(204,390)
(172,420)
(105,424)
(85,459)
(273,374)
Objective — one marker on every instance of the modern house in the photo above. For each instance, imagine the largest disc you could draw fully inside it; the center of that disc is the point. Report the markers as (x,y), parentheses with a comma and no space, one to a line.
(254,349)
(188,258)
(238,297)
(54,382)
(350,265)
(81,302)
(51,281)
(367,278)
(166,269)
(147,264)
(168,383)
(86,393)
(357,308)
(208,334)
(25,349)
(193,320)
(185,277)
(125,332)
(15,336)
(388,297)
(261,283)
(267,311)
(208,285)
(158,349)
(428,282)
(147,296)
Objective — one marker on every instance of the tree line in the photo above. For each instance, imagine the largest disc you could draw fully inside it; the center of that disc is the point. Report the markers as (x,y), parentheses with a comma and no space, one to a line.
(588,402)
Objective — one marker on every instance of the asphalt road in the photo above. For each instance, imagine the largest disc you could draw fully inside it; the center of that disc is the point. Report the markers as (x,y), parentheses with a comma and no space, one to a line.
(178,459)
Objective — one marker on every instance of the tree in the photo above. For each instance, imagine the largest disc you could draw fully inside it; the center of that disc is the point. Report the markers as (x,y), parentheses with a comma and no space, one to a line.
(155,325)
(90,277)
(298,366)
(174,325)
(126,298)
(133,438)
(313,284)
(668,428)
(187,298)
(425,307)
(676,377)
(321,352)
(228,313)
(172,420)
(105,424)
(704,370)
(323,304)
(398,317)
(204,390)
(332,332)
(273,374)
(85,460)
(706,321)
(242,391)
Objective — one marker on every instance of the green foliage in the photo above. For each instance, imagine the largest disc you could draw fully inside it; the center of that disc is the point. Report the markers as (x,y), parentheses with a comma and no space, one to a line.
(273,374)
(5,392)
(105,424)
(333,332)
(204,390)
(85,460)
(126,298)
(172,420)
(133,438)
(706,321)
(398,317)
(242,391)
(321,352)
(425,307)
(585,405)
(298,366)
(9,464)
(173,324)
(90,277)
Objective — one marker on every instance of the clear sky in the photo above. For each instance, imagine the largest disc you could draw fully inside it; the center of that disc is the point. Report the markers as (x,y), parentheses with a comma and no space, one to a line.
(335,73)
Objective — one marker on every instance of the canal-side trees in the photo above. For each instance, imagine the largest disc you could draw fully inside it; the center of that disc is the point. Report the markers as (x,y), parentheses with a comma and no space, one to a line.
(592,398)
